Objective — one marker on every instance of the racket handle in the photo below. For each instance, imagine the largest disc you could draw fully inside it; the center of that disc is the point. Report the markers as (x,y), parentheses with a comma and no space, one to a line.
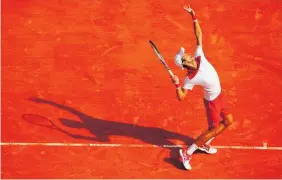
(170,73)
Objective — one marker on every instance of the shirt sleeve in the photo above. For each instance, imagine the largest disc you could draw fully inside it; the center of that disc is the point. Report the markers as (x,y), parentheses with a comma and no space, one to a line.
(188,84)
(199,51)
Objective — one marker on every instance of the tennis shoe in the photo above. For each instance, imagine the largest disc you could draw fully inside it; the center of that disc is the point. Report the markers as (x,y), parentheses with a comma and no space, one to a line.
(185,158)
(208,149)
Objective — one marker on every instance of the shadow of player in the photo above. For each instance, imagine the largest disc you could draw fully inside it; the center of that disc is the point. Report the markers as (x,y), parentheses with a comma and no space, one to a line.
(102,129)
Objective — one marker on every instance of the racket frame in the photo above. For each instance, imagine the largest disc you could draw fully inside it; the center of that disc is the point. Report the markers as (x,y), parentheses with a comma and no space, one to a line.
(161,58)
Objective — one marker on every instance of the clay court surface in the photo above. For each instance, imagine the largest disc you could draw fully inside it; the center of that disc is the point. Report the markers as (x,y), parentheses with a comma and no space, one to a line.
(87,66)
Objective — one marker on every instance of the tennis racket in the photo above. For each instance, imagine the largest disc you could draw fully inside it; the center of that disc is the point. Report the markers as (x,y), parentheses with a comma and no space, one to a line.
(160,57)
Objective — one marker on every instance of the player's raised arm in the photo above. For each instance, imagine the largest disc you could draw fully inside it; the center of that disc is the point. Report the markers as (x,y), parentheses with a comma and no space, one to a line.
(197,28)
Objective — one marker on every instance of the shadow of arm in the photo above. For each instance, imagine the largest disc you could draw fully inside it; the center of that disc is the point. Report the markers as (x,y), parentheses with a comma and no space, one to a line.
(77,136)
(66,108)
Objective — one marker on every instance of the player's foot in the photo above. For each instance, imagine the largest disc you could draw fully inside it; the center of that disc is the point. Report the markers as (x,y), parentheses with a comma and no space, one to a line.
(208,149)
(185,159)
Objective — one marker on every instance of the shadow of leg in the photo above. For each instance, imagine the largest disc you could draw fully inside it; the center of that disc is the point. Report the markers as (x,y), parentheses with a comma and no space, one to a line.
(174,158)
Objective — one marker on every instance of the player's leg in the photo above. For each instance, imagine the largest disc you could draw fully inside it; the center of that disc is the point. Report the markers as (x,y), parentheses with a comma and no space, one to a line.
(206,137)
(203,140)
(227,120)
(214,123)
(225,112)
(217,111)
(210,133)
(216,126)
(219,119)
(202,143)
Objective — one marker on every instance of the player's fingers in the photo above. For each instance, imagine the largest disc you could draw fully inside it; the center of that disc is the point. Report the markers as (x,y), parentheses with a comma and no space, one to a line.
(187,8)
(176,80)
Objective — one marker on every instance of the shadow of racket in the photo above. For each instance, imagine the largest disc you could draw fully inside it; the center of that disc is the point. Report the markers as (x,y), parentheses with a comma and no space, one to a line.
(44,122)
(40,121)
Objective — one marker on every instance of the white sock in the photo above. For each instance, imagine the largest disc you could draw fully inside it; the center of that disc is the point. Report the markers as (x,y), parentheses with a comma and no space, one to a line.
(192,149)
(209,141)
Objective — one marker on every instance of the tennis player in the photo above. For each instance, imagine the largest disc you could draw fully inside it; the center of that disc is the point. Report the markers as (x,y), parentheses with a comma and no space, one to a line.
(200,72)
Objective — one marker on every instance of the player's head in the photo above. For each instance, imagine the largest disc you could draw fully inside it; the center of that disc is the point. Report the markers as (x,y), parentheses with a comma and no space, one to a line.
(184,60)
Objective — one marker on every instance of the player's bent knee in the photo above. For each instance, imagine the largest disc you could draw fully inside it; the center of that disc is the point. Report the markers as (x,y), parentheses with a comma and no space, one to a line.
(228,120)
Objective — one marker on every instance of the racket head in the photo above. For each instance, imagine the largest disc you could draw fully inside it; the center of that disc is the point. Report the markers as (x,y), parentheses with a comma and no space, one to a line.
(38,120)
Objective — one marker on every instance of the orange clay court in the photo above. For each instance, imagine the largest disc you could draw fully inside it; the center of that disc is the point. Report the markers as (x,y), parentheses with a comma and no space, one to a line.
(87,66)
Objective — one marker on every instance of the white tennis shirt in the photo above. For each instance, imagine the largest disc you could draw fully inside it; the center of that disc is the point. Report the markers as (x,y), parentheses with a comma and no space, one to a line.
(206,77)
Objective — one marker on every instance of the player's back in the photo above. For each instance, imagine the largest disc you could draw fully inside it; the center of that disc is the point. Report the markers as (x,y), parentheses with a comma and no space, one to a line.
(211,82)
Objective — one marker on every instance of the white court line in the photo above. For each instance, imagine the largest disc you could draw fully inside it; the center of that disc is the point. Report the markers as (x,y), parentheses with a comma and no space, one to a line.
(127,145)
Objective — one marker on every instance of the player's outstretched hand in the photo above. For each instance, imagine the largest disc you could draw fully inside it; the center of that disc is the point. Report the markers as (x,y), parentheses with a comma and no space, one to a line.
(175,79)
(189,10)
